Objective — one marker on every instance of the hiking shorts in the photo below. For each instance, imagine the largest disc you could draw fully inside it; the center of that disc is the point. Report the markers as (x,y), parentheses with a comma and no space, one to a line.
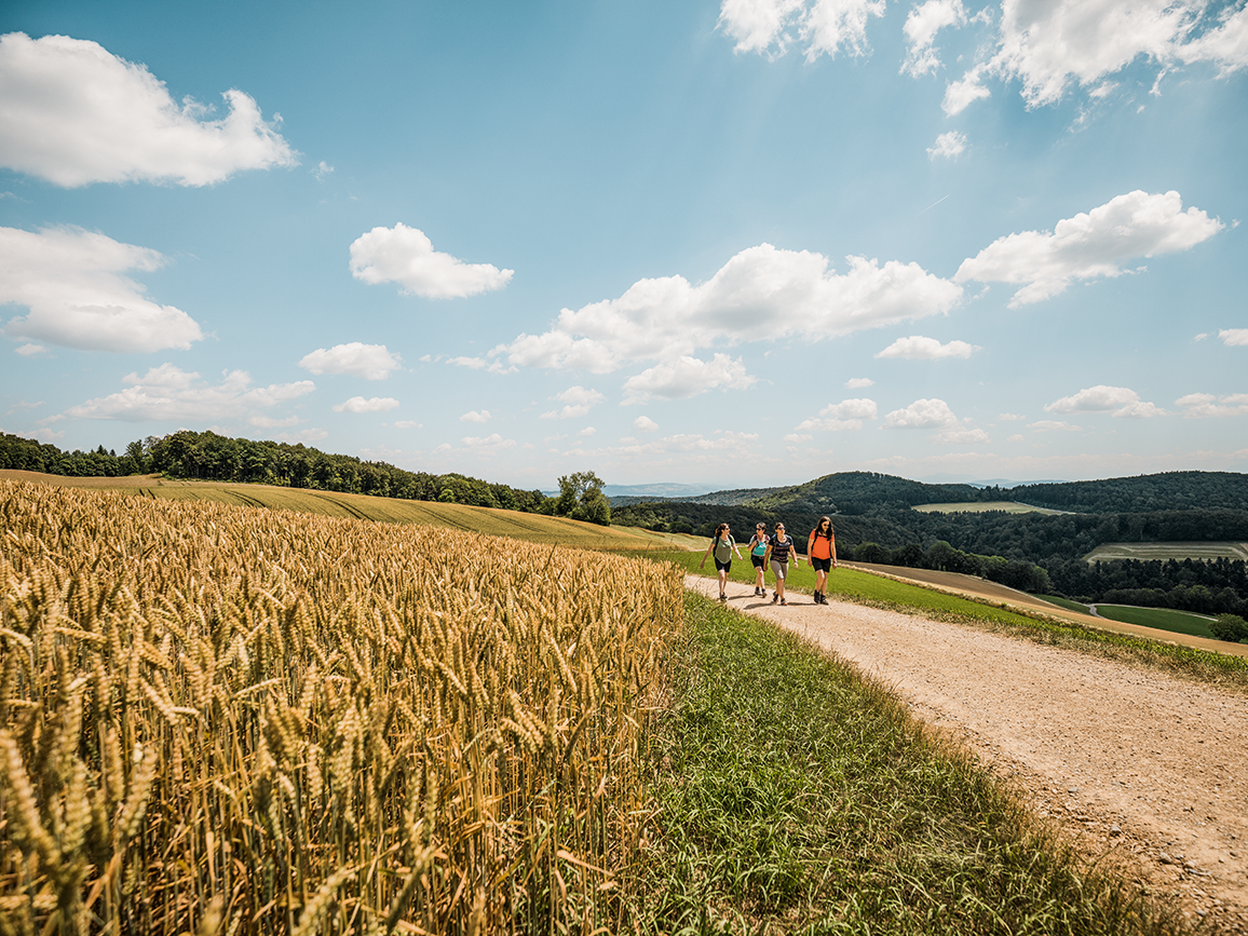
(821,565)
(757,560)
(780,570)
(723,566)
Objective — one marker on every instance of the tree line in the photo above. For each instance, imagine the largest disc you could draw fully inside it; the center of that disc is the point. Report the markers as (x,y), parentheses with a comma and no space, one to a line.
(207,456)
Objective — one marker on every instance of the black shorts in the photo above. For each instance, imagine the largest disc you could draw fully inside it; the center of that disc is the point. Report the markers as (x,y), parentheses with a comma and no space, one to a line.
(723,566)
(821,565)
(757,560)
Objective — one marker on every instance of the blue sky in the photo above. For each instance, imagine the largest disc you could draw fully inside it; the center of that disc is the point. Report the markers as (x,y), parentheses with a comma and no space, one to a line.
(732,244)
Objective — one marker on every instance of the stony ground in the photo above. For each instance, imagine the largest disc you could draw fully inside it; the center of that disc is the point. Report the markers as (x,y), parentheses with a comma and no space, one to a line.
(1147,767)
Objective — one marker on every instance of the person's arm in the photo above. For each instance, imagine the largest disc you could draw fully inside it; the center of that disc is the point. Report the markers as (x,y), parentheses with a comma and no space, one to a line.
(832,547)
(737,549)
(707,553)
(810,543)
(767,555)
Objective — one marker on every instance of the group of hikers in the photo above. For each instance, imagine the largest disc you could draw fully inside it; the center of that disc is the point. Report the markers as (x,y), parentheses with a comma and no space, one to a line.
(775,552)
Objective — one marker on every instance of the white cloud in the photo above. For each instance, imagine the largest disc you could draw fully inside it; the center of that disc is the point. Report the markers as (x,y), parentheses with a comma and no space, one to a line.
(369,361)
(1047,46)
(406,256)
(476,363)
(761,293)
(1232,337)
(30,350)
(645,424)
(1015,438)
(794,438)
(1090,245)
(859,383)
(587,431)
(578,402)
(837,417)
(74,113)
(71,281)
(475,417)
(949,145)
(408,424)
(1206,405)
(357,404)
(959,95)
(918,348)
(960,436)
(168,393)
(687,377)
(922,24)
(322,170)
(1124,402)
(921,414)
(824,26)
(1054,425)
(491,443)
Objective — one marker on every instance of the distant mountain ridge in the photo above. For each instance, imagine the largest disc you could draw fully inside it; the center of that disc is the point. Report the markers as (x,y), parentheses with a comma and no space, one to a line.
(857,492)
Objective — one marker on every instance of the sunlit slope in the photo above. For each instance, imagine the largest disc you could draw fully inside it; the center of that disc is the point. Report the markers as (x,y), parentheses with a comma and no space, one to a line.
(533,528)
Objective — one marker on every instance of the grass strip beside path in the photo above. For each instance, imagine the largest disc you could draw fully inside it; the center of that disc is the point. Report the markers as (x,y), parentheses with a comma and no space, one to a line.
(1225,670)
(798,797)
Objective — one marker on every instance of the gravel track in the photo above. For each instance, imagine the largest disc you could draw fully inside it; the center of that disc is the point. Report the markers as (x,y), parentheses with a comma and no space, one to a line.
(1151,767)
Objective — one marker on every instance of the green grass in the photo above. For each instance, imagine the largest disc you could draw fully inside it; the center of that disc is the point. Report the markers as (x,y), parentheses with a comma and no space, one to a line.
(796,796)
(1163,551)
(983,507)
(1179,622)
(1064,603)
(1230,672)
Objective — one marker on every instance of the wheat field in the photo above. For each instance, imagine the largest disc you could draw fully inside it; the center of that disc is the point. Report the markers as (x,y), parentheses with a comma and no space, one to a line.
(217,719)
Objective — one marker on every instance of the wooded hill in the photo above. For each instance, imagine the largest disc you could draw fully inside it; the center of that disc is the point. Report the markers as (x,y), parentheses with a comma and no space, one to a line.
(875,523)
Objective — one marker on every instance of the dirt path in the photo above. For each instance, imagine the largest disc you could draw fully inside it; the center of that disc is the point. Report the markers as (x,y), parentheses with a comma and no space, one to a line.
(1128,759)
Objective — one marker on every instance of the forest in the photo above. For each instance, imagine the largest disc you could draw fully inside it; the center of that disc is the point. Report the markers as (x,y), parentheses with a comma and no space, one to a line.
(206,456)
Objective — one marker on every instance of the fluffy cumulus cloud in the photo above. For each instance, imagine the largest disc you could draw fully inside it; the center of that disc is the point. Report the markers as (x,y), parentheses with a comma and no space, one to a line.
(859,383)
(821,26)
(168,393)
(918,348)
(369,361)
(645,424)
(577,401)
(1234,336)
(74,285)
(1050,46)
(404,255)
(1206,405)
(924,21)
(473,416)
(949,145)
(1123,402)
(686,377)
(921,414)
(761,293)
(1090,245)
(357,404)
(1053,425)
(73,113)
(837,417)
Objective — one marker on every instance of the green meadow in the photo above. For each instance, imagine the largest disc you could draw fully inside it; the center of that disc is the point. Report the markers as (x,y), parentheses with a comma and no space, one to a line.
(1178,622)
